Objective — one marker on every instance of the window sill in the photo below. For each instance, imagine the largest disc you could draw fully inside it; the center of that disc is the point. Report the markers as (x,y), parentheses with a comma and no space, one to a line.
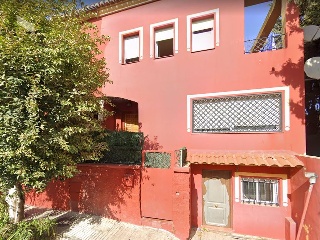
(164,57)
(260,205)
(129,63)
(203,50)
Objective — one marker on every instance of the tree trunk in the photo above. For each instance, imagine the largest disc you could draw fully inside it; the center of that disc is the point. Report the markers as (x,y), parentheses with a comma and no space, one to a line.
(15,200)
(20,205)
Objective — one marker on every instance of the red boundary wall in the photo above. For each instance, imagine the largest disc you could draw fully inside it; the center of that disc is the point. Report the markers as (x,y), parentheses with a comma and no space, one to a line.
(114,191)
(300,185)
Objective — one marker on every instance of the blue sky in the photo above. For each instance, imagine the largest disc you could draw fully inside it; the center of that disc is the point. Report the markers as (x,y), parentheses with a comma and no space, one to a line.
(88,2)
(254,17)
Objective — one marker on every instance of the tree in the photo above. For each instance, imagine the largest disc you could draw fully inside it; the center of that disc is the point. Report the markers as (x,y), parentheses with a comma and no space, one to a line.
(49,80)
(310,15)
(309,11)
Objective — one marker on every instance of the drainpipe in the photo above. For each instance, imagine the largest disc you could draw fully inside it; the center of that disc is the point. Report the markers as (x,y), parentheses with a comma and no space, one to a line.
(312,179)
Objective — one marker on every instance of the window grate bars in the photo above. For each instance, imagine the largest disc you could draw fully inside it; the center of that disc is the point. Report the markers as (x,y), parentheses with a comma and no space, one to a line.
(260,191)
(157,160)
(250,113)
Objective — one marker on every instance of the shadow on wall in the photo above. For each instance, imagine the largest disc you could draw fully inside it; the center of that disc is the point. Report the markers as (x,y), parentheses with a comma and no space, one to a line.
(150,143)
(306,105)
(56,196)
(107,190)
(110,191)
(291,69)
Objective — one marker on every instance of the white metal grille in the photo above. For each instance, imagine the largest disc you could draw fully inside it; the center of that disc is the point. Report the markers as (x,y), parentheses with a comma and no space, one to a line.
(251,113)
(260,191)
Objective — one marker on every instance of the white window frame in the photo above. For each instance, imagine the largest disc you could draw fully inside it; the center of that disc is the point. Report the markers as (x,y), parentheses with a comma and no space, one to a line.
(242,114)
(162,35)
(283,90)
(122,35)
(174,23)
(283,181)
(202,34)
(257,200)
(216,29)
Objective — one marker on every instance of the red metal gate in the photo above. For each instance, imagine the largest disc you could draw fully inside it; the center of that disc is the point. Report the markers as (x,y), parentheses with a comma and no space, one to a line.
(156,185)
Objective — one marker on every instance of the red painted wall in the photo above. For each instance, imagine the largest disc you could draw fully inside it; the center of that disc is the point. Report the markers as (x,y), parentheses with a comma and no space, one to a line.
(114,191)
(246,218)
(300,185)
(181,197)
(161,86)
(108,190)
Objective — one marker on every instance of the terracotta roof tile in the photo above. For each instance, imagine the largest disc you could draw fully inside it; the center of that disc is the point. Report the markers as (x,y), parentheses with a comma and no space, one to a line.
(246,158)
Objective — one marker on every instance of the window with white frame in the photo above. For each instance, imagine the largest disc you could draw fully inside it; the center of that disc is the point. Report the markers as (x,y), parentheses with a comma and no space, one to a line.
(203,30)
(260,191)
(248,113)
(131,49)
(164,38)
(131,45)
(164,42)
(202,34)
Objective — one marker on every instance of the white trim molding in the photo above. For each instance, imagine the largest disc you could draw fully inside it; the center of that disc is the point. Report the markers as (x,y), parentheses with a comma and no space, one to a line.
(173,22)
(285,91)
(215,13)
(139,31)
(282,177)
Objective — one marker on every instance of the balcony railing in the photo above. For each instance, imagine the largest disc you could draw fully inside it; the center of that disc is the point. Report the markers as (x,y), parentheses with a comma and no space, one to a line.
(270,43)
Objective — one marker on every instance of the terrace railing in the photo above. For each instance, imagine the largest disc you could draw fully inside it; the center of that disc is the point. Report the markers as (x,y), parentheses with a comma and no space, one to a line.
(270,43)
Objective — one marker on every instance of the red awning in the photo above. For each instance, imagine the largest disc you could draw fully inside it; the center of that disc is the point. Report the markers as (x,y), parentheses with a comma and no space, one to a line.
(245,158)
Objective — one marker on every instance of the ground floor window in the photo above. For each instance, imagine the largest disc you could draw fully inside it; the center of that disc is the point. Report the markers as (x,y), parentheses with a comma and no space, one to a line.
(260,191)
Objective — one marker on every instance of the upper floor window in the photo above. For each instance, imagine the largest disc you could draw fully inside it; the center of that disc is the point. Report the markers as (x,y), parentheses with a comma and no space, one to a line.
(203,30)
(249,113)
(131,49)
(202,34)
(131,45)
(164,39)
(164,42)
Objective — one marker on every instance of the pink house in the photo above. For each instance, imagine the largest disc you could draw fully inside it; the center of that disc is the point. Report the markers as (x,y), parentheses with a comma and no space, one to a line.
(184,75)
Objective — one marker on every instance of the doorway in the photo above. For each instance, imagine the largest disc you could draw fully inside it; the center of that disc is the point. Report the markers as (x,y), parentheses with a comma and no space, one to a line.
(216,189)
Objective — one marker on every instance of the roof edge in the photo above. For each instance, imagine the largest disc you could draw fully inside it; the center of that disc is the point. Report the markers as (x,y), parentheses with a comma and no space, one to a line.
(109,7)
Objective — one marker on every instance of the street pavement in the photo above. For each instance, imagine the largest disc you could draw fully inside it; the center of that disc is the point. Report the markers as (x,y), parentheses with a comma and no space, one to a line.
(77,226)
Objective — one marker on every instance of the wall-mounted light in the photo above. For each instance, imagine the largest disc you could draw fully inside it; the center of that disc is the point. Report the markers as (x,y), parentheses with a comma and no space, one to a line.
(312,177)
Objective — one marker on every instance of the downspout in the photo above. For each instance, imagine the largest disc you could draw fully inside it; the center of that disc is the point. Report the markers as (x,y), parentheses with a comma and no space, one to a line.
(312,179)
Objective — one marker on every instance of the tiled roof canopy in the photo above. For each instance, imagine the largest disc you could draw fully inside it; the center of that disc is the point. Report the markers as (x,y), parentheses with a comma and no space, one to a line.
(245,158)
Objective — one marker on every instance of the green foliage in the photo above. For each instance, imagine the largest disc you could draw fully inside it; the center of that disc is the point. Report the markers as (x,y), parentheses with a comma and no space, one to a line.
(310,11)
(124,147)
(4,217)
(27,230)
(158,160)
(49,76)
(132,140)
(35,229)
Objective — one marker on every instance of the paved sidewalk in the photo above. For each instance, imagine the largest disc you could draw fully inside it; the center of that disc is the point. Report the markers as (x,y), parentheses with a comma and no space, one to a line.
(206,234)
(76,226)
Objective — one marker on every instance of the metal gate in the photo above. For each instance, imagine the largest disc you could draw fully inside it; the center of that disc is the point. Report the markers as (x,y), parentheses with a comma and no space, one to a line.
(156,184)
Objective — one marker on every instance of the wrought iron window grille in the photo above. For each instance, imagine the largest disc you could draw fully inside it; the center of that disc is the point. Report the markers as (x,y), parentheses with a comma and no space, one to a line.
(157,159)
(260,191)
(270,43)
(249,113)
(181,157)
